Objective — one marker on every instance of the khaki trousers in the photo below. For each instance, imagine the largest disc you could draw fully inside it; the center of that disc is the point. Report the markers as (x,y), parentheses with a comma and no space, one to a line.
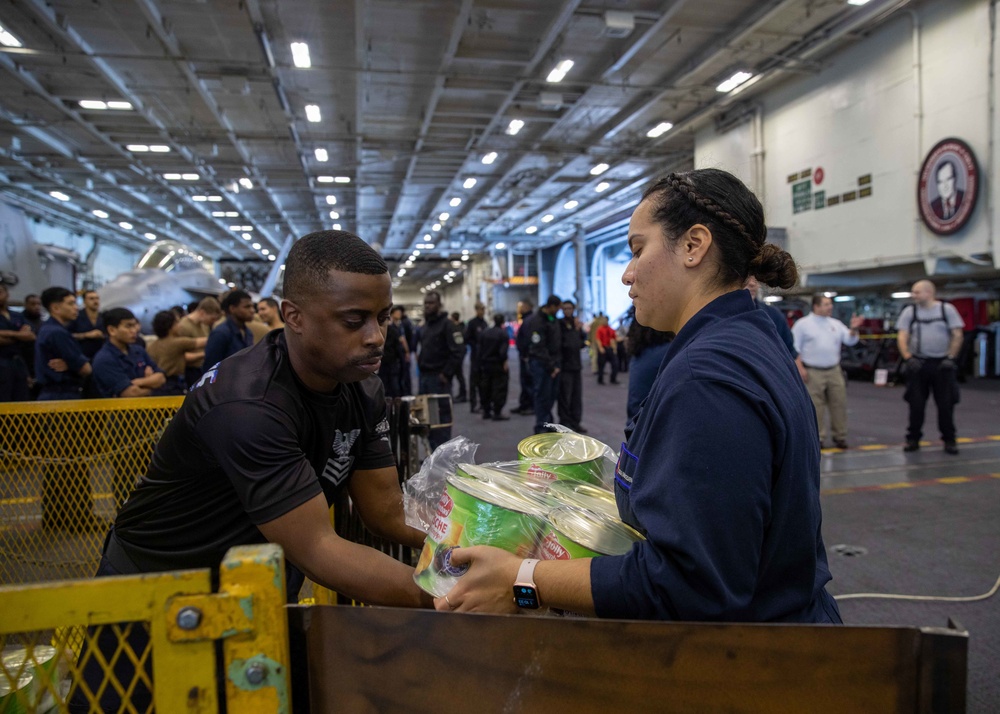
(828,391)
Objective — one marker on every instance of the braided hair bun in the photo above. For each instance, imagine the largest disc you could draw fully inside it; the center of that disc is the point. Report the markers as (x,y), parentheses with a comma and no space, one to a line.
(722,202)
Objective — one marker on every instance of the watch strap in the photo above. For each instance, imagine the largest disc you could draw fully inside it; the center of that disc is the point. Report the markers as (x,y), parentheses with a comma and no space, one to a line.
(526,573)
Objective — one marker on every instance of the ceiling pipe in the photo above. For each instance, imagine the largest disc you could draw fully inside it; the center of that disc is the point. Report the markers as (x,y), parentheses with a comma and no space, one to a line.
(45,138)
(169,42)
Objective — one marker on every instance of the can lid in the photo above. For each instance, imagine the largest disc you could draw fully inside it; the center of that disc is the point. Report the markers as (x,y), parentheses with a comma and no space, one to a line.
(594,531)
(497,495)
(577,493)
(562,448)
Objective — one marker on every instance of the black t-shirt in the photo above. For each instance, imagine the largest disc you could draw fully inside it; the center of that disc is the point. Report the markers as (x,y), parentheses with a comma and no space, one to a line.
(249,444)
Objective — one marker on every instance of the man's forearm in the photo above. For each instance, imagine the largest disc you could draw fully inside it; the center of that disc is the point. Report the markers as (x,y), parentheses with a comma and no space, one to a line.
(363,574)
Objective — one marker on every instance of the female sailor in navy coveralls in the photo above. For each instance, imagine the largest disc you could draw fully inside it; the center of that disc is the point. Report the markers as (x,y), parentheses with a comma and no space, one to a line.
(721,467)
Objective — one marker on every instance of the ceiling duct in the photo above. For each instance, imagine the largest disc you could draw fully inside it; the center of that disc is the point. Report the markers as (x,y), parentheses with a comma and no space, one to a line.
(550,101)
(618,24)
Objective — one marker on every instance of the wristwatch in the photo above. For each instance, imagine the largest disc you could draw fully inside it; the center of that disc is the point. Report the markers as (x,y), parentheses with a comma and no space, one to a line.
(525,590)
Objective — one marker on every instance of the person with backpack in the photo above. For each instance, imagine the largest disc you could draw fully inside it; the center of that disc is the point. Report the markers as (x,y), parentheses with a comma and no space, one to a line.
(929,339)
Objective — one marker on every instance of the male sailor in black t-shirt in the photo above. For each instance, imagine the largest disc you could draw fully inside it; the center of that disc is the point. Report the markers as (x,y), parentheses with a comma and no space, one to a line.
(267,437)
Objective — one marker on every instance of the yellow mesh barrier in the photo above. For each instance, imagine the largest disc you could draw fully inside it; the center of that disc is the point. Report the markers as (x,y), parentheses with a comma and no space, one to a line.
(65,469)
(149,642)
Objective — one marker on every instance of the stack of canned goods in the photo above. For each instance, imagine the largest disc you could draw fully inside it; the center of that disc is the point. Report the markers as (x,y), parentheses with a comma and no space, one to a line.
(548,505)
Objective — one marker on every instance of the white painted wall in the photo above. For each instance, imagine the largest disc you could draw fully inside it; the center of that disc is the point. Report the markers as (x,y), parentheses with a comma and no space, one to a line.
(860,115)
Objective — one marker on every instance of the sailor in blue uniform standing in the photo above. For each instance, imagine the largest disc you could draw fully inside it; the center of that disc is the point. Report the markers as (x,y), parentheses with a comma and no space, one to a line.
(721,468)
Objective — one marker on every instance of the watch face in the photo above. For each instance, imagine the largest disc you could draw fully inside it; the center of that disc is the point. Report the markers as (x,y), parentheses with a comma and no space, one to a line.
(525,597)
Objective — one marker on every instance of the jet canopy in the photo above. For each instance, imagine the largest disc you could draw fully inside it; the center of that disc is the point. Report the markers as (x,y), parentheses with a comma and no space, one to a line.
(171,256)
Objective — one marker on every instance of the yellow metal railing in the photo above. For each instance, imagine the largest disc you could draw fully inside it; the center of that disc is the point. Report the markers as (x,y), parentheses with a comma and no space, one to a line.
(65,469)
(148,642)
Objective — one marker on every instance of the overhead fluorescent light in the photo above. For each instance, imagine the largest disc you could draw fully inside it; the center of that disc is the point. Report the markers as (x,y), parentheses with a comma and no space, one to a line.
(247,237)
(443,217)
(734,81)
(427,237)
(436,227)
(455,202)
(416,253)
(570,205)
(341,179)
(232,214)
(602,186)
(331,200)
(246,183)
(334,215)
(255,246)
(830,294)
(300,55)
(321,154)
(843,298)
(599,169)
(152,236)
(7,39)
(531,229)
(858,2)
(92,104)
(469,183)
(120,106)
(490,157)
(324,179)
(159,148)
(99,213)
(265,251)
(273,258)
(246,228)
(660,129)
(215,199)
(547,218)
(136,148)
(500,246)
(312,113)
(59,194)
(235,228)
(559,72)
(199,199)
(336,226)
(773,298)
(902,296)
(126,225)
(218,214)
(514,126)
(465,257)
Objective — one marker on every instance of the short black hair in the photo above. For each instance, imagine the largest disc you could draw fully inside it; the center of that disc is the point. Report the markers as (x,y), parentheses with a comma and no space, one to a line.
(271,302)
(87,292)
(163,321)
(395,308)
(456,316)
(946,162)
(569,302)
(234,298)
(553,301)
(53,295)
(499,319)
(29,296)
(818,299)
(313,256)
(116,316)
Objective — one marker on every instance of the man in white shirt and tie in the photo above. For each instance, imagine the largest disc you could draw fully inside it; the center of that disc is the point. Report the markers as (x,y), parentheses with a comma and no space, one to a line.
(818,337)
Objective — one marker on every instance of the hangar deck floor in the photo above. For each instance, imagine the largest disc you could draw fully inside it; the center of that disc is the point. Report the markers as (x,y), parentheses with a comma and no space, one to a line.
(929,522)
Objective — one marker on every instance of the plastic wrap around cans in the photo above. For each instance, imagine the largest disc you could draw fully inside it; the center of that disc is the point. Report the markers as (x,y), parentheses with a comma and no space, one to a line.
(558,456)
(474,512)
(578,533)
(583,495)
(535,491)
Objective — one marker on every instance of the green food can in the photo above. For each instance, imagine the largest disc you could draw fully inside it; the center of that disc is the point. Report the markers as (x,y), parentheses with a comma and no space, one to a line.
(26,677)
(16,693)
(583,495)
(474,512)
(557,457)
(578,533)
